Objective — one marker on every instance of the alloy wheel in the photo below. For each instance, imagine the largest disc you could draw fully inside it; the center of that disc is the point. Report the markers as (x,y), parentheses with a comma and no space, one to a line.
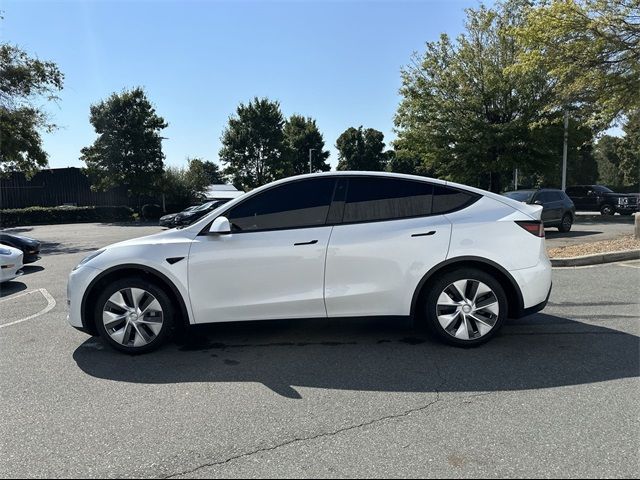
(467,309)
(132,317)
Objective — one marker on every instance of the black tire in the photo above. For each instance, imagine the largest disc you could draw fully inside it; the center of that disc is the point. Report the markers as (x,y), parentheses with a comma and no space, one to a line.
(168,314)
(566,223)
(607,209)
(429,305)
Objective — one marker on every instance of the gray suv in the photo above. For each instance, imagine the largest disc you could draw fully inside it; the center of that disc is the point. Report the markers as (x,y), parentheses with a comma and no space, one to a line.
(557,208)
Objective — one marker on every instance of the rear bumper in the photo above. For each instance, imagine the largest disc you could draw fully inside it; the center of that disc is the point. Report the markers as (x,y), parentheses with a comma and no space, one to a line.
(535,286)
(536,308)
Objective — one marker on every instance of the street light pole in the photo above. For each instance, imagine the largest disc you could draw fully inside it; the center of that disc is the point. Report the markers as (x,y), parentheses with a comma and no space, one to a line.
(310,157)
(564,150)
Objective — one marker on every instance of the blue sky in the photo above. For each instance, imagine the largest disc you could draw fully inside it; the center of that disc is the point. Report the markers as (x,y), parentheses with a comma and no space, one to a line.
(336,61)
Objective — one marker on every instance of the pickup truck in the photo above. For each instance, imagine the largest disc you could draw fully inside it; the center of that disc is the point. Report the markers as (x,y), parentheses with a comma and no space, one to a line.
(593,198)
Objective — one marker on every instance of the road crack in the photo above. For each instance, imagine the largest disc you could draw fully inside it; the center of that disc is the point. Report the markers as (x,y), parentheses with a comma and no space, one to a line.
(338,431)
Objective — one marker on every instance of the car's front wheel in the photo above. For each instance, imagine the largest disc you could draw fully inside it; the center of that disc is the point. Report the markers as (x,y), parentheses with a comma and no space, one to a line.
(465,307)
(133,315)
(607,209)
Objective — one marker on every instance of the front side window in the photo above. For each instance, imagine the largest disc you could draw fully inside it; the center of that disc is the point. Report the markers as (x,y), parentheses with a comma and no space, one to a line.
(373,199)
(298,204)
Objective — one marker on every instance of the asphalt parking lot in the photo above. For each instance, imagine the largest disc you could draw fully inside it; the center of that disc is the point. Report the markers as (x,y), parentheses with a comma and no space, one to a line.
(554,396)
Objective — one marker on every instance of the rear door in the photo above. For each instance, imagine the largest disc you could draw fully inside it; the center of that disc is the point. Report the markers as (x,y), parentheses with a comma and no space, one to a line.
(388,234)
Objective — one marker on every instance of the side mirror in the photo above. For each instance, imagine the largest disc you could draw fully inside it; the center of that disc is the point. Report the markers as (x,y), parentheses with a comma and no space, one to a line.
(538,202)
(220,226)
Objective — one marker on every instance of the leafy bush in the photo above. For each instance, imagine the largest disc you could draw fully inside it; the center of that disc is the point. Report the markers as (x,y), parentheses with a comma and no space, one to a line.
(151,211)
(53,215)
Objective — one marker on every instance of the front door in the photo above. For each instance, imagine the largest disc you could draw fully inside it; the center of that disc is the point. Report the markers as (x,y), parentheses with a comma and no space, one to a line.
(272,263)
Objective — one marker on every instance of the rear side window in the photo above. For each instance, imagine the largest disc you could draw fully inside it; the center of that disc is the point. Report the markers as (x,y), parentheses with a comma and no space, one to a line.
(293,205)
(544,197)
(370,199)
(447,199)
(556,196)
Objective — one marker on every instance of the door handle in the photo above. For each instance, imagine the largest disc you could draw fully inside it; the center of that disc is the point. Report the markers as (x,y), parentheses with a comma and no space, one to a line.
(312,242)
(425,234)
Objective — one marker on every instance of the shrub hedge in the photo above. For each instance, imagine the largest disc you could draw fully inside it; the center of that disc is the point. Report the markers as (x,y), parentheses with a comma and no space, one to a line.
(52,215)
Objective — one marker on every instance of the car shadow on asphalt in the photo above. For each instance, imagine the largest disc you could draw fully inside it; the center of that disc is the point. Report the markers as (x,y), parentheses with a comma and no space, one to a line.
(9,288)
(541,351)
(572,234)
(57,248)
(29,269)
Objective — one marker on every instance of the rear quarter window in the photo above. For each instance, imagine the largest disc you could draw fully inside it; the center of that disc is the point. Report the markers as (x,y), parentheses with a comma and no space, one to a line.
(447,199)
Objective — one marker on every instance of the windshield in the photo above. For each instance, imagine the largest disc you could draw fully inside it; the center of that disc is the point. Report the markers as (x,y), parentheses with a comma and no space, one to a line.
(523,196)
(204,206)
(603,189)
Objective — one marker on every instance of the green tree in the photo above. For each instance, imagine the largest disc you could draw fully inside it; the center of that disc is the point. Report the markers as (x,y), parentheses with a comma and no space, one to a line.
(175,185)
(128,150)
(630,149)
(253,144)
(25,83)
(467,116)
(607,153)
(300,135)
(361,149)
(402,161)
(200,174)
(591,49)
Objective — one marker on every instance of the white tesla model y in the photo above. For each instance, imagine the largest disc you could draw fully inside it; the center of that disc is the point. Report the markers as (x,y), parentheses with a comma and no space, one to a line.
(459,259)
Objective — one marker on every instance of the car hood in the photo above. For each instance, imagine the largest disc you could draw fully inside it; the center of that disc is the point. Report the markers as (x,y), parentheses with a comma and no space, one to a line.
(167,236)
(18,239)
(630,195)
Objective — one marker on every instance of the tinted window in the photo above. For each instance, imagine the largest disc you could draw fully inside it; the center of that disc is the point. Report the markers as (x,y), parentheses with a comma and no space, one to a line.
(520,196)
(371,199)
(556,196)
(543,197)
(446,199)
(297,204)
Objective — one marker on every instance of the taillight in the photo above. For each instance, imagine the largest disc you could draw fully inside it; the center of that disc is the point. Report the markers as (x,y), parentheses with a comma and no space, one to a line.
(534,227)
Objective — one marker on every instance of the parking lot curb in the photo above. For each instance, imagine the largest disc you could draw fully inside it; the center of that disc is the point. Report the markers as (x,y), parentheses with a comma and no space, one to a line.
(596,259)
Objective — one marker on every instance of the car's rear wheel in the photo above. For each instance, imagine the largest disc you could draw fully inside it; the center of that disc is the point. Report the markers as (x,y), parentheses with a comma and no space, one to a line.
(607,210)
(133,315)
(465,307)
(566,223)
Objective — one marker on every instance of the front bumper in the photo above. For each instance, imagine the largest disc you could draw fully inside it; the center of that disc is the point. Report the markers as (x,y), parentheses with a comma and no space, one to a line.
(77,285)
(627,208)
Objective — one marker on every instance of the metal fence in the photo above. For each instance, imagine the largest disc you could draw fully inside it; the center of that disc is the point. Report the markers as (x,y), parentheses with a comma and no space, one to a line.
(60,186)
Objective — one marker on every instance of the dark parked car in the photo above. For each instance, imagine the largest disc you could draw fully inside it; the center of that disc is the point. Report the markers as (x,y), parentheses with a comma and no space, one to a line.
(30,246)
(557,208)
(598,198)
(187,218)
(169,220)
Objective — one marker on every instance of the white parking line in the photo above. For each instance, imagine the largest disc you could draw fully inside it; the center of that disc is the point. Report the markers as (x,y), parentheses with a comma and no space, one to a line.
(629,265)
(51,303)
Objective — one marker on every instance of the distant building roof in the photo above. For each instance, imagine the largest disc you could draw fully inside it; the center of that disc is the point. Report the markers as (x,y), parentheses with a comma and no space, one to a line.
(222,191)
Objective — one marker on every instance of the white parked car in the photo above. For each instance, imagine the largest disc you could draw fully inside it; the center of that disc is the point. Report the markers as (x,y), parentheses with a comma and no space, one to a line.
(10,263)
(346,244)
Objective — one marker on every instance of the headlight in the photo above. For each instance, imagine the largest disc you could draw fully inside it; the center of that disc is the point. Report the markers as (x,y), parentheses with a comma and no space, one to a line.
(89,258)
(623,201)
(5,251)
